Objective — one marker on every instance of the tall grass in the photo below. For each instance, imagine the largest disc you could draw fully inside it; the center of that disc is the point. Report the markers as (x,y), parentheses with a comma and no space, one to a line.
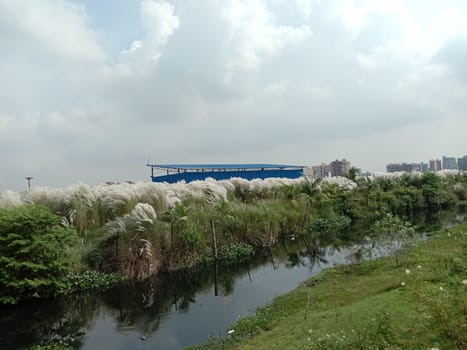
(138,229)
(131,246)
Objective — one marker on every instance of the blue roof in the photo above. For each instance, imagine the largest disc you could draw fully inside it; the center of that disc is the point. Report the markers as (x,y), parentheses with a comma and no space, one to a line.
(225,166)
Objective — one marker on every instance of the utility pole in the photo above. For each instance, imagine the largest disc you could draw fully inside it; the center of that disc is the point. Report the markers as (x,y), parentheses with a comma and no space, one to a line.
(29,178)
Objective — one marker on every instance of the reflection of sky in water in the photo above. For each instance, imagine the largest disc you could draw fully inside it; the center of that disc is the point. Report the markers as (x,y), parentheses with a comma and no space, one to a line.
(209,314)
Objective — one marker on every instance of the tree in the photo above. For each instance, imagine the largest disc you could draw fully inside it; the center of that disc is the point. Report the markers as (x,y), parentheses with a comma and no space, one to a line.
(352,175)
(34,253)
(323,232)
(393,235)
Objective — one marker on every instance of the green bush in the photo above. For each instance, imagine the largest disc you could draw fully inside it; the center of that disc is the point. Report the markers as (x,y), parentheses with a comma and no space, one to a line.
(88,280)
(235,252)
(393,235)
(324,231)
(34,253)
(191,237)
(230,254)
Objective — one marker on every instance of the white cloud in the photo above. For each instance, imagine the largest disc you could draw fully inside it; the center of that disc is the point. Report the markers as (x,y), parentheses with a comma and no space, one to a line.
(414,33)
(159,22)
(254,34)
(57,28)
(305,6)
(135,46)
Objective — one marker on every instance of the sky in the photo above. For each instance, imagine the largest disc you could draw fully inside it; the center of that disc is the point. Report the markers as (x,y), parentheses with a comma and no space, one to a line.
(91,90)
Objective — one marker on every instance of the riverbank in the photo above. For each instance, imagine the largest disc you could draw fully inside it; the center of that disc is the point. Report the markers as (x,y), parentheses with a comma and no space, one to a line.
(139,230)
(421,304)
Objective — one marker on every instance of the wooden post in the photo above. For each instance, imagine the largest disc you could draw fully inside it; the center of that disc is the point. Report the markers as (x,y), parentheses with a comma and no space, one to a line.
(216,278)
(214,249)
(214,240)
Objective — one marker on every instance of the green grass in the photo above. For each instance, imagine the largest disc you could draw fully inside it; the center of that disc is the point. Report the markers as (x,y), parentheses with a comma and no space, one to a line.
(370,306)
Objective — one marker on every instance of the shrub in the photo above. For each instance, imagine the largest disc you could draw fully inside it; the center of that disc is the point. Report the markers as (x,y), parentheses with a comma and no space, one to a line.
(323,231)
(89,280)
(230,254)
(393,235)
(34,253)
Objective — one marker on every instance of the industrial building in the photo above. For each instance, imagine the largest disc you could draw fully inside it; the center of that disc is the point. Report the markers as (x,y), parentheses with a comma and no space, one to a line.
(172,173)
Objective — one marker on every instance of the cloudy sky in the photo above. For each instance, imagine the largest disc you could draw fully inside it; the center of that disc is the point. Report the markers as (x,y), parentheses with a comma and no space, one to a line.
(92,90)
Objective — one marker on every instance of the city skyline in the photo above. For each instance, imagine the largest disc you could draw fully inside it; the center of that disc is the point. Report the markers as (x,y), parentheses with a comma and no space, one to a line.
(433,164)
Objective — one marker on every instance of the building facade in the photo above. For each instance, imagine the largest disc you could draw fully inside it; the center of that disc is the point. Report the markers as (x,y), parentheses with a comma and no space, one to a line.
(462,163)
(407,167)
(424,168)
(435,165)
(321,171)
(449,163)
(340,167)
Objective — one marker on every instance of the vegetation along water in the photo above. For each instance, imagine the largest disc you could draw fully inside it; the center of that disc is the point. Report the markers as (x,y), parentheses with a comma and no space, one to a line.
(57,242)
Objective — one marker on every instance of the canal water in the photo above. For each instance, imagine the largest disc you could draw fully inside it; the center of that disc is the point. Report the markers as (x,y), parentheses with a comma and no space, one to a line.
(169,311)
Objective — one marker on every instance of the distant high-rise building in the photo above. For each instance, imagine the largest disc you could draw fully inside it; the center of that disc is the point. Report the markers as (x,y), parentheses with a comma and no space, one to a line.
(462,163)
(435,165)
(393,167)
(340,167)
(321,171)
(408,167)
(424,167)
(449,163)
(415,167)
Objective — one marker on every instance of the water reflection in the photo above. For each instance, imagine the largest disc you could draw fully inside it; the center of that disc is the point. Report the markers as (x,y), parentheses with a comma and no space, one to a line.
(174,310)
(142,308)
(62,319)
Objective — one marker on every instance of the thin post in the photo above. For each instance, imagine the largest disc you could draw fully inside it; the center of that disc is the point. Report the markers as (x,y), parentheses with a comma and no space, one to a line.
(216,278)
(214,240)
(29,178)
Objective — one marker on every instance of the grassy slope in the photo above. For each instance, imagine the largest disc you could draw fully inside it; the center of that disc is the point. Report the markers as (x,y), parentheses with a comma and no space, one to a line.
(366,306)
